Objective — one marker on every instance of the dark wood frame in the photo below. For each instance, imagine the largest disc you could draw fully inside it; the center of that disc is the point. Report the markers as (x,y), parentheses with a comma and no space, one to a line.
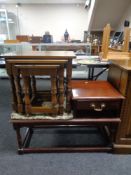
(107,124)
(23,143)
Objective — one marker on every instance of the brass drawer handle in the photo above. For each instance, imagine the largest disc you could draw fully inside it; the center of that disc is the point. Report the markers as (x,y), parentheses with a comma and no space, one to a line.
(102,106)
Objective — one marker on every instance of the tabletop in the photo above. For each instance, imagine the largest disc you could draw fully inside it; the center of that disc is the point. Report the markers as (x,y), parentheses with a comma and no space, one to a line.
(123,64)
(90,61)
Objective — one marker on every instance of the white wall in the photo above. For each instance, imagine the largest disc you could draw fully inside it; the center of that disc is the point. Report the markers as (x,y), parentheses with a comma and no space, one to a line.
(126,16)
(36,19)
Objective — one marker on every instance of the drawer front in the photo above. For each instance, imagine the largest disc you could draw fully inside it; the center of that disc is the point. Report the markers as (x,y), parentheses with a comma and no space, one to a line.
(105,108)
(97,108)
(98,105)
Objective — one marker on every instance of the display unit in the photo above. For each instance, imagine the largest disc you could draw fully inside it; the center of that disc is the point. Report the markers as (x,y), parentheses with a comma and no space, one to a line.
(8,23)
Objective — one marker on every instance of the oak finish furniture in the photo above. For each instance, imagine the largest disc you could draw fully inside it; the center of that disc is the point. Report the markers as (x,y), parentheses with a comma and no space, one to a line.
(34,102)
(16,80)
(50,55)
(111,53)
(11,41)
(22,38)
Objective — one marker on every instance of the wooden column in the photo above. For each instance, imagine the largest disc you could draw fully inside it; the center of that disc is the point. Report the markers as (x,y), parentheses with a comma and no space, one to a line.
(105,40)
(126,39)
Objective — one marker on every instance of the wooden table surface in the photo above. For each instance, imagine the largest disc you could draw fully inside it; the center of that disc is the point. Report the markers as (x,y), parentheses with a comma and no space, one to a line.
(86,90)
(124,64)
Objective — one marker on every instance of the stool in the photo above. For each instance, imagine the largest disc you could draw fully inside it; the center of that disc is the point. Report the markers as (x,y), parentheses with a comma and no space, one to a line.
(33,104)
(16,81)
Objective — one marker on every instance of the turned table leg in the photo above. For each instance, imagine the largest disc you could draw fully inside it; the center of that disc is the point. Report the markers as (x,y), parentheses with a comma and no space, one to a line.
(68,92)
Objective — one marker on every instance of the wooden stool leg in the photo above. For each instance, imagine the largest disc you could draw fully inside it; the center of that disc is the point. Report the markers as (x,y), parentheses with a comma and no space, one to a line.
(33,86)
(27,95)
(11,78)
(27,137)
(18,93)
(68,88)
(19,138)
(14,100)
(53,93)
(61,90)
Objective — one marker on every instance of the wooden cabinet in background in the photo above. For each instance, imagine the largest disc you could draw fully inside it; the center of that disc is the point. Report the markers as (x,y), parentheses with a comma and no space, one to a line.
(95,49)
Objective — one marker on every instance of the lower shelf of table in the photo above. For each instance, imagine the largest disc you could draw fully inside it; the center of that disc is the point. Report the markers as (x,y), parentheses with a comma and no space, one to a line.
(67,135)
(65,139)
(75,121)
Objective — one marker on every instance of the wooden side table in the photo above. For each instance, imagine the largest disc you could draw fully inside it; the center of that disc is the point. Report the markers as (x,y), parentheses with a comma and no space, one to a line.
(49,55)
(97,100)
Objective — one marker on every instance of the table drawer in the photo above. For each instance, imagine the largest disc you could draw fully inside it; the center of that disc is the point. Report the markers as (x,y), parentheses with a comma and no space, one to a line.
(98,105)
(100,108)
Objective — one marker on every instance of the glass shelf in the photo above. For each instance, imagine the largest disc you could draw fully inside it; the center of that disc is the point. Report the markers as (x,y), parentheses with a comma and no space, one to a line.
(16,47)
